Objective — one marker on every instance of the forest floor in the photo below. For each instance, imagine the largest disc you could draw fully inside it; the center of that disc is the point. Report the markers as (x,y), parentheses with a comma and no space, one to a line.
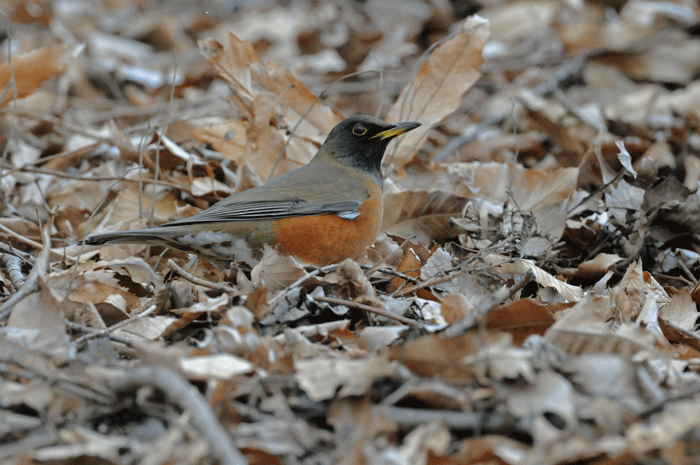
(531,299)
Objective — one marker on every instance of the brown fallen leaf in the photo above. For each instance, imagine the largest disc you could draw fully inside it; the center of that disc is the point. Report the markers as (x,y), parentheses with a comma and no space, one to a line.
(422,214)
(628,295)
(436,90)
(34,68)
(410,266)
(273,102)
(524,317)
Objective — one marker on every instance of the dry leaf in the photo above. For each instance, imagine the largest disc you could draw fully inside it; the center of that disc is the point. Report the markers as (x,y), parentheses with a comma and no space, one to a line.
(34,68)
(628,295)
(521,266)
(326,377)
(583,328)
(425,215)
(273,101)
(219,366)
(275,271)
(436,90)
(41,314)
(681,311)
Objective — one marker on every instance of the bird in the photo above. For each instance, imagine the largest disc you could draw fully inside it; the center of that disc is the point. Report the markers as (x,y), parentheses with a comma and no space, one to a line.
(321,213)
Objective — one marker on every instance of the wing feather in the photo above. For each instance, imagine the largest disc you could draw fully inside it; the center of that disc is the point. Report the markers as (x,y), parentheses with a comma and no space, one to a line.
(301,192)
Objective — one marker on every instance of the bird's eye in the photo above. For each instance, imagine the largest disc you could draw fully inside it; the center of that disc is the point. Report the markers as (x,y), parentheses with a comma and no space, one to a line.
(359,130)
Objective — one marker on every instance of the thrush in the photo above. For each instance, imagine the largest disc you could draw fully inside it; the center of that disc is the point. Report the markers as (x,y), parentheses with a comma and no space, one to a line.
(321,213)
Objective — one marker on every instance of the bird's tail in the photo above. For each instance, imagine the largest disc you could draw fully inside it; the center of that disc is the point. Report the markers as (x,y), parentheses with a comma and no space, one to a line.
(137,236)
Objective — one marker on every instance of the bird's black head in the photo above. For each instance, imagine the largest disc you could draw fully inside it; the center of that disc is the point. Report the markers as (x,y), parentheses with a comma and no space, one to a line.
(360,141)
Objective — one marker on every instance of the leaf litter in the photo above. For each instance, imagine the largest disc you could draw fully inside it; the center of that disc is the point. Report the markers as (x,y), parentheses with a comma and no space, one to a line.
(532,298)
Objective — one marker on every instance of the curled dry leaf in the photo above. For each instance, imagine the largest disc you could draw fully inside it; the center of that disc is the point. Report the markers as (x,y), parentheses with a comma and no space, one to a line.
(521,266)
(437,88)
(628,295)
(355,284)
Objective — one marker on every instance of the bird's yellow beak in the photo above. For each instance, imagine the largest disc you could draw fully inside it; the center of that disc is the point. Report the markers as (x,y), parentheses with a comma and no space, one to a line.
(396,130)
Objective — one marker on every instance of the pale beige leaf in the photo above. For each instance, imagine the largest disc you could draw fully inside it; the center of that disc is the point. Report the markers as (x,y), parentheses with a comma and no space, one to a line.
(320,377)
(502,360)
(219,366)
(607,375)
(149,328)
(597,266)
(434,437)
(681,311)
(276,271)
(549,392)
(437,88)
(42,312)
(675,420)
(528,188)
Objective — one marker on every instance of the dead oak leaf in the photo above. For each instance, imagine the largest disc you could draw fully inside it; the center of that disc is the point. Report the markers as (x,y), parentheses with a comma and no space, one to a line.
(437,88)
(273,102)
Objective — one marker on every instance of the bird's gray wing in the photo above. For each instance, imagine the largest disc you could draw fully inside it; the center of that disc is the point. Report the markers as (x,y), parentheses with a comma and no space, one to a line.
(301,192)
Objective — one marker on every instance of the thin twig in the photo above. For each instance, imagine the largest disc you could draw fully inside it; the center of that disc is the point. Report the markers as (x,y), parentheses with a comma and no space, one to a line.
(180,392)
(13,84)
(8,249)
(99,332)
(397,274)
(685,269)
(59,253)
(201,282)
(494,423)
(598,190)
(114,327)
(325,270)
(682,330)
(367,308)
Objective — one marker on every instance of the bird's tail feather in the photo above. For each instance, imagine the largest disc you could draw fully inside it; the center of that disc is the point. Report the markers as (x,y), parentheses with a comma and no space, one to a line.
(153,236)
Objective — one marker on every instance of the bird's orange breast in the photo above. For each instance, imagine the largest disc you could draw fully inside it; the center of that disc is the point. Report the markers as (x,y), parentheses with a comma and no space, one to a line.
(325,239)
